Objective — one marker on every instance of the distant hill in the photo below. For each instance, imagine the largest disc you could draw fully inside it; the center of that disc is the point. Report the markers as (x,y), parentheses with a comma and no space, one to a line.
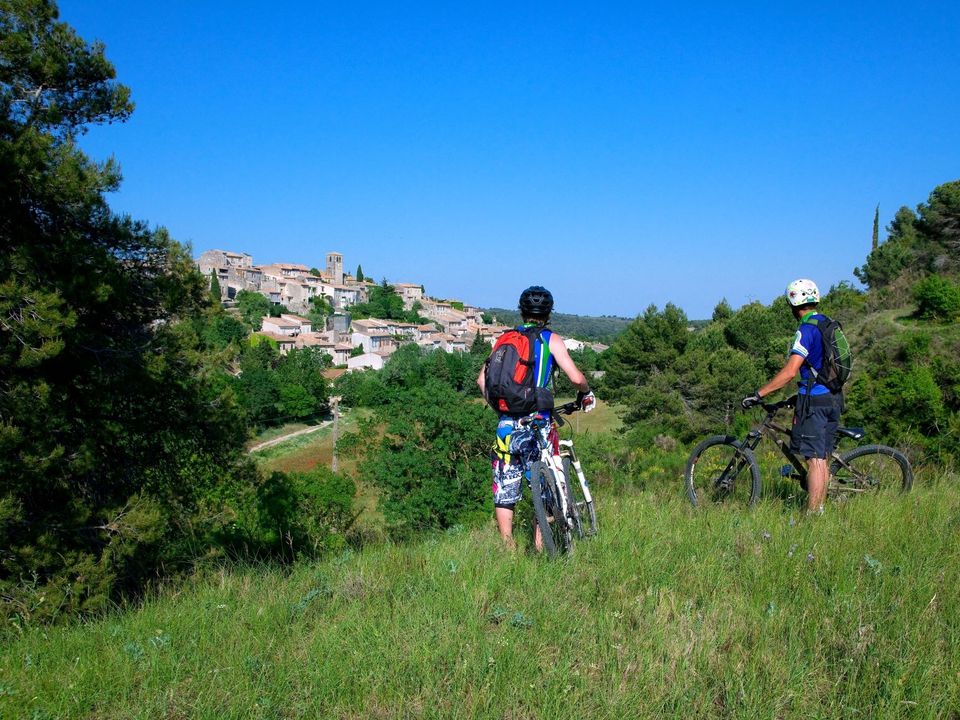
(604,328)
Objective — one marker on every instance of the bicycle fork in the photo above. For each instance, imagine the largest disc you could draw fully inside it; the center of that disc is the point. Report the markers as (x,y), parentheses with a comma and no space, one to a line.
(575,463)
(561,478)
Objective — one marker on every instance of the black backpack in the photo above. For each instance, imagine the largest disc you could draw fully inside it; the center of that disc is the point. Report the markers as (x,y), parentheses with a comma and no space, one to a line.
(509,376)
(837,358)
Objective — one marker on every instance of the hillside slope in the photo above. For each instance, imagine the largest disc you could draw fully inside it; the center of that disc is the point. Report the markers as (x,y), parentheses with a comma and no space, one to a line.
(669,612)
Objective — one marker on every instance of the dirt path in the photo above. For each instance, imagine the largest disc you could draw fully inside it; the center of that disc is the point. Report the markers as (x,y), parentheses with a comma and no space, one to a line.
(284,438)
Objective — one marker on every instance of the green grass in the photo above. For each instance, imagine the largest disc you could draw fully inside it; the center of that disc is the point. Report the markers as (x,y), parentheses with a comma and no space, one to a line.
(305,452)
(669,612)
(605,418)
(294,444)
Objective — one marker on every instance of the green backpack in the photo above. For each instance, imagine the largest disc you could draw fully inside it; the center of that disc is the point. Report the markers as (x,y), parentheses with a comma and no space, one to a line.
(837,358)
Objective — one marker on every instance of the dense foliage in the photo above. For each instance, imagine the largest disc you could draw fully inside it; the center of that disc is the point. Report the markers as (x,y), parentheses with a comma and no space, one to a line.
(425,448)
(385,303)
(918,243)
(687,382)
(274,388)
(120,435)
(253,307)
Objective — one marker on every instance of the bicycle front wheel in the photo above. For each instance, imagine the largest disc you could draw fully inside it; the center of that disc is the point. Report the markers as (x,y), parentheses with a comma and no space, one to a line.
(548,510)
(721,470)
(583,511)
(871,468)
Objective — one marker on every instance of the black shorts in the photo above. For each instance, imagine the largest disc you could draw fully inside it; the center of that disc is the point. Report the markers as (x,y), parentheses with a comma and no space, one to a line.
(815,423)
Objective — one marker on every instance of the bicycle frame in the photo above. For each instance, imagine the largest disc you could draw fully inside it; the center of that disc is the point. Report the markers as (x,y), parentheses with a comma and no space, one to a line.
(772,429)
(555,462)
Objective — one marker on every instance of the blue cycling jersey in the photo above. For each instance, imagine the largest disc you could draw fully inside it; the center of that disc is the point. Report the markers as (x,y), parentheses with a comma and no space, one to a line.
(808,344)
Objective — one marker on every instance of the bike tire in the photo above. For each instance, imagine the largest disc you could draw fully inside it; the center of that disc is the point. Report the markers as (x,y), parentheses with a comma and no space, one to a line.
(722,470)
(543,489)
(870,468)
(584,513)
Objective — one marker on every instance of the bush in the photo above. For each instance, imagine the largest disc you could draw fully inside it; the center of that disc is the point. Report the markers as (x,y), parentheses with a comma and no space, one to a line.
(937,298)
(305,514)
(427,453)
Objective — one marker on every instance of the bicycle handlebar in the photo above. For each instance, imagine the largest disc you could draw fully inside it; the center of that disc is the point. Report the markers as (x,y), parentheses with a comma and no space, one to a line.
(558,410)
(774,407)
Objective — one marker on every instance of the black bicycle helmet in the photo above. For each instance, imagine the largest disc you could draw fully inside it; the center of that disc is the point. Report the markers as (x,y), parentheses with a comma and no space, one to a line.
(536,302)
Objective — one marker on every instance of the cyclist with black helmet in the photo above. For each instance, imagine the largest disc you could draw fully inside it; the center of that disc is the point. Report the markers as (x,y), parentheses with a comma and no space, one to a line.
(513,463)
(817,412)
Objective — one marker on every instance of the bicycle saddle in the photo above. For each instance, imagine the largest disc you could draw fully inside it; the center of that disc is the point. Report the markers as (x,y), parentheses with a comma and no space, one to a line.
(852,433)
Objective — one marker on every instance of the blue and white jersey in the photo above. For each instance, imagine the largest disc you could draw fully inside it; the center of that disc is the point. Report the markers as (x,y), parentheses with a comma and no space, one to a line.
(808,344)
(542,357)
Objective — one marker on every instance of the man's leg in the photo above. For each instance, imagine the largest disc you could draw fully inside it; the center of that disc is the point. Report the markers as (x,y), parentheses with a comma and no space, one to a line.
(505,524)
(818,476)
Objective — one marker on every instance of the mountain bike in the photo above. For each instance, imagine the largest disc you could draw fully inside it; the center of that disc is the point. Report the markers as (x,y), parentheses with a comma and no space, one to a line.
(562,502)
(724,469)
(583,512)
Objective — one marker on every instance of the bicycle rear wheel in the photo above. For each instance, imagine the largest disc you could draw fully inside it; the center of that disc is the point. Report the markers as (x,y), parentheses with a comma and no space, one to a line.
(583,511)
(871,468)
(547,509)
(721,470)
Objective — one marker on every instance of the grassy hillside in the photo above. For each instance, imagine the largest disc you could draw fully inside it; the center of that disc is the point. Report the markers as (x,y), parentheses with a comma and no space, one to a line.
(669,612)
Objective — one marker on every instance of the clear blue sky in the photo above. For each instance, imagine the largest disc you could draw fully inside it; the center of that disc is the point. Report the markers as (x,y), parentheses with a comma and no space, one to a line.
(620,154)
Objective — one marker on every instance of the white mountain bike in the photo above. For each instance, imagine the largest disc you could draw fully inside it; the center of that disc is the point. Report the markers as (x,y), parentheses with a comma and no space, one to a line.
(562,502)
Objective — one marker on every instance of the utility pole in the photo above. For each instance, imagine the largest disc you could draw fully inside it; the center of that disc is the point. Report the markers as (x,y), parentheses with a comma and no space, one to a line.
(335,405)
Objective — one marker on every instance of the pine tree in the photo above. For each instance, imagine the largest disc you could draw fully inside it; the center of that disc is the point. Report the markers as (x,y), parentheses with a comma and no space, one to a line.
(479,345)
(110,433)
(359,274)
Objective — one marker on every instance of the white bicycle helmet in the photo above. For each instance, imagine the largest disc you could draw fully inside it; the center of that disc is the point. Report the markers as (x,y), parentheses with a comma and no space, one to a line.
(802,292)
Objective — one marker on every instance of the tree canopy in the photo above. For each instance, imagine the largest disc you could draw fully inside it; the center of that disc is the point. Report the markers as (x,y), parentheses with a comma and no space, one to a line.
(918,242)
(111,435)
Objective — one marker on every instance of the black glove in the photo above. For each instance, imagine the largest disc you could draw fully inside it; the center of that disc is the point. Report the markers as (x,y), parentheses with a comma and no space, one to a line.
(750,400)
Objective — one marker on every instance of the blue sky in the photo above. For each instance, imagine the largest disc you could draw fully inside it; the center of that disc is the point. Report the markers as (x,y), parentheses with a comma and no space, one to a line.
(620,154)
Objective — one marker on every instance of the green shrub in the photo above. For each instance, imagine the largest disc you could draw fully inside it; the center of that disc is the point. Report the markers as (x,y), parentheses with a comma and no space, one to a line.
(427,453)
(305,513)
(937,297)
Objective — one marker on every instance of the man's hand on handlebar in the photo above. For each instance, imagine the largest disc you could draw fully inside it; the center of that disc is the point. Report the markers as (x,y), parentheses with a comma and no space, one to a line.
(586,401)
(753,400)
(750,400)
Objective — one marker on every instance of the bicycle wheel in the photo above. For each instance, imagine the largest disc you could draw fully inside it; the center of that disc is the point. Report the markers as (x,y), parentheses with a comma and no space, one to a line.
(720,469)
(871,468)
(584,514)
(553,526)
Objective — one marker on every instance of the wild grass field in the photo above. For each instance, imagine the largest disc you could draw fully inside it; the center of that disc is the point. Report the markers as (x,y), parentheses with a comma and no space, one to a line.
(668,612)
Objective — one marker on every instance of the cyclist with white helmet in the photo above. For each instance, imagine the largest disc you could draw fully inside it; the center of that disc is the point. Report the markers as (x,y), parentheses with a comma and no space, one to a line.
(515,448)
(817,412)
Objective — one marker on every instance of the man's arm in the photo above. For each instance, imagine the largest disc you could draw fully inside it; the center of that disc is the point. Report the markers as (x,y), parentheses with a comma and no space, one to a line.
(565,362)
(482,381)
(787,373)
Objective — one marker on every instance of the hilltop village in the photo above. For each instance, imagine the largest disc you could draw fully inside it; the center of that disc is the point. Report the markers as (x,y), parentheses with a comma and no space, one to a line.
(450,325)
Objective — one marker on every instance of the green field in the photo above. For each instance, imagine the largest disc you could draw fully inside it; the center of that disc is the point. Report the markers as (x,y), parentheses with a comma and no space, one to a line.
(669,612)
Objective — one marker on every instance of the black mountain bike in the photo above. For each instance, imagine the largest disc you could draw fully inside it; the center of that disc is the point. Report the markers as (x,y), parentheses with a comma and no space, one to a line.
(724,469)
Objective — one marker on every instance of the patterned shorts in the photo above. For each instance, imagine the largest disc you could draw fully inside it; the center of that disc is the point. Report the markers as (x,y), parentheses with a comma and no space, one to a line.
(515,452)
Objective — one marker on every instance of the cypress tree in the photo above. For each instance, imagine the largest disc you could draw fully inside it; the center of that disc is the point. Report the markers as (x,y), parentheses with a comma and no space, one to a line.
(215,291)
(876,227)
